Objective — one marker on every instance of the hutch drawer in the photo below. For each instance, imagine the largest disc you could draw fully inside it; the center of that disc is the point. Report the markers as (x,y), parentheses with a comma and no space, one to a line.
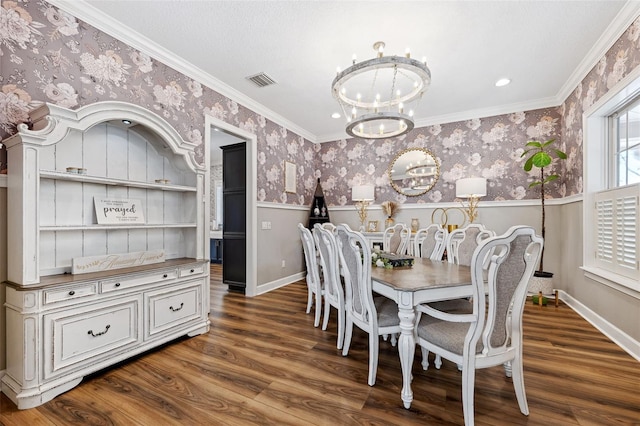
(62,294)
(127,282)
(170,308)
(191,270)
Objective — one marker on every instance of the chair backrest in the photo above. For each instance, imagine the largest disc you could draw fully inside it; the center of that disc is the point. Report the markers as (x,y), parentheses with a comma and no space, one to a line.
(309,246)
(462,242)
(512,259)
(430,242)
(396,239)
(355,258)
(330,226)
(329,262)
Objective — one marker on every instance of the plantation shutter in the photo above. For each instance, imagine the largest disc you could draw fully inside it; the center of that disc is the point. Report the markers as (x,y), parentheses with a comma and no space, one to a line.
(617,230)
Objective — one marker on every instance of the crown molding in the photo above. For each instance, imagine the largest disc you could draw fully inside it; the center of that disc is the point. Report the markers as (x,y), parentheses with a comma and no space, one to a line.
(86,12)
(614,31)
(550,102)
(92,16)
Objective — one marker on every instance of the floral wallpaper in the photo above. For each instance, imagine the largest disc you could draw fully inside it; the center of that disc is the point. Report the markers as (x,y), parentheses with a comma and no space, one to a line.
(622,58)
(48,55)
(489,147)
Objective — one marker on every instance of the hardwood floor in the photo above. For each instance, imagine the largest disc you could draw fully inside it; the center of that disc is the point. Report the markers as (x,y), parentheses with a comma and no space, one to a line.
(263,362)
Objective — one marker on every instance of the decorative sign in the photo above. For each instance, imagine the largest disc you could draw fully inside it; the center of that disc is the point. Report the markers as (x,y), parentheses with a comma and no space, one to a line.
(118,211)
(290,177)
(84,265)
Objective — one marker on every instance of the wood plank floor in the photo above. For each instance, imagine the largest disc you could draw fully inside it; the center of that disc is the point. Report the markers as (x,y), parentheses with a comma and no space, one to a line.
(264,363)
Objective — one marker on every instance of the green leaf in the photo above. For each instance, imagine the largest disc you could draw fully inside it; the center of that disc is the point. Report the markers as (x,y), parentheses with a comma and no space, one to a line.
(541,159)
(549,142)
(561,154)
(526,152)
(528,164)
(551,178)
(534,143)
(532,184)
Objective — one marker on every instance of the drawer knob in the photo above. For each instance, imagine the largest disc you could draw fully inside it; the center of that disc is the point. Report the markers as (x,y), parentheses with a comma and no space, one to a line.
(176,309)
(193,270)
(117,284)
(71,293)
(165,276)
(99,333)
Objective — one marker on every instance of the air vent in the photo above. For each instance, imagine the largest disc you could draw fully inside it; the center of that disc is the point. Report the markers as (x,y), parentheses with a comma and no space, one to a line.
(261,80)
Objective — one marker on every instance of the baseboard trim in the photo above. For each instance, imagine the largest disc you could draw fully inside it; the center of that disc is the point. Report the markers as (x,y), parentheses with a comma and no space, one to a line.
(281,282)
(619,337)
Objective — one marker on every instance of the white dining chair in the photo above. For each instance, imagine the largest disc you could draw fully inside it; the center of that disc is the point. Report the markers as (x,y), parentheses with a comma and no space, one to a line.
(462,242)
(330,226)
(377,317)
(491,334)
(430,242)
(329,264)
(314,284)
(396,239)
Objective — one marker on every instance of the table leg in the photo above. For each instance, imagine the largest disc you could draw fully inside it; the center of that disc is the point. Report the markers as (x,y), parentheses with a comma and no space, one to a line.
(406,349)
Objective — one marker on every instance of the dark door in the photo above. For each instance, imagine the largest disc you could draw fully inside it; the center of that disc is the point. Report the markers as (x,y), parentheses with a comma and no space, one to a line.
(234,205)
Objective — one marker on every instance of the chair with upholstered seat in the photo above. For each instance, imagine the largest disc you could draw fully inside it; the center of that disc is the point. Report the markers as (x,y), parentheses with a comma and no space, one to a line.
(396,239)
(491,335)
(329,264)
(430,242)
(376,318)
(314,284)
(330,226)
(462,242)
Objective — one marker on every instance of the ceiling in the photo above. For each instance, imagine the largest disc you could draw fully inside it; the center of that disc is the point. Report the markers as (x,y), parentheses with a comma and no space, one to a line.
(544,47)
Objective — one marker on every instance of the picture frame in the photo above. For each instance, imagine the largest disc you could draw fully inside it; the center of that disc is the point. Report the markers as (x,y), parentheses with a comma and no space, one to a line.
(289,177)
(372,226)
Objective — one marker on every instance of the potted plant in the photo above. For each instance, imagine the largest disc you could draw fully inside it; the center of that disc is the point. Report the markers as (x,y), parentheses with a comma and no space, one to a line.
(541,155)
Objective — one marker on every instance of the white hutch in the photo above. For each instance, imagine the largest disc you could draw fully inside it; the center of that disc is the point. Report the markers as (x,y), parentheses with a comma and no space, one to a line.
(62,326)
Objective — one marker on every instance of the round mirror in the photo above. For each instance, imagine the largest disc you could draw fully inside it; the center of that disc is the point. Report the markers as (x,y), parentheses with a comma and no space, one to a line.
(414,172)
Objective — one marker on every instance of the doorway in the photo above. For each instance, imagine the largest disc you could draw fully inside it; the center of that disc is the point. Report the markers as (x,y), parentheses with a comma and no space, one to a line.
(217,134)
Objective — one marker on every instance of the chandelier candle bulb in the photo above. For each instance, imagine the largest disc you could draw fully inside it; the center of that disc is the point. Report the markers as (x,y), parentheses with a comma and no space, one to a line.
(386,86)
(353,59)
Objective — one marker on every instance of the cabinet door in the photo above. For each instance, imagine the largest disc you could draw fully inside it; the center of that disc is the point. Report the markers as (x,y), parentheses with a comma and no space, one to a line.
(81,337)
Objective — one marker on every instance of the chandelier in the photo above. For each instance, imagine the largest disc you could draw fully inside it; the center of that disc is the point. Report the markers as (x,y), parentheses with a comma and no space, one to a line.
(378,95)
(421,171)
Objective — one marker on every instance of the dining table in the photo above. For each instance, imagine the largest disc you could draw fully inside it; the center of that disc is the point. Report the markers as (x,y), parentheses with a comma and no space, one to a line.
(426,281)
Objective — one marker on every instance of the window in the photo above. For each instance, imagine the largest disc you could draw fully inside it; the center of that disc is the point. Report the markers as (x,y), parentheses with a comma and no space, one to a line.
(624,143)
(611,254)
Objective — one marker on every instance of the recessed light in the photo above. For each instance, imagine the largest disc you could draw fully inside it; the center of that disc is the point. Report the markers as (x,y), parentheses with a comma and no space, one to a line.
(335,115)
(127,122)
(502,82)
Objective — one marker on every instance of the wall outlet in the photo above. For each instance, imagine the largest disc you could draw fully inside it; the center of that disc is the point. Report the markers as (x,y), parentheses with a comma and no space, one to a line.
(266,225)
(283,263)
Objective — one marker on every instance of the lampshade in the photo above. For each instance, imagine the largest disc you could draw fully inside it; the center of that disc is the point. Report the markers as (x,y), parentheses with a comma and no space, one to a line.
(363,193)
(470,187)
